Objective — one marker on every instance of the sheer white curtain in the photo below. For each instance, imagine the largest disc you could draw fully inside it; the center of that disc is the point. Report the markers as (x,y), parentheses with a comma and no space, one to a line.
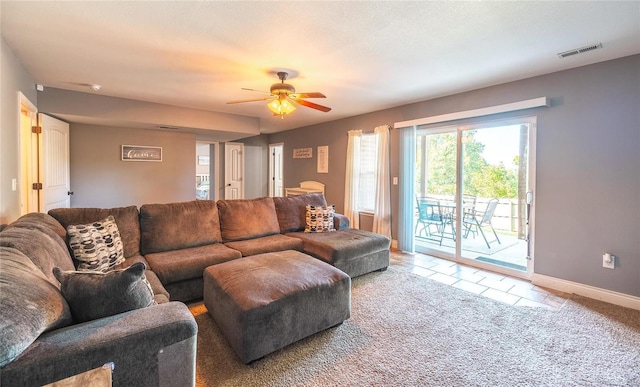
(352,177)
(382,211)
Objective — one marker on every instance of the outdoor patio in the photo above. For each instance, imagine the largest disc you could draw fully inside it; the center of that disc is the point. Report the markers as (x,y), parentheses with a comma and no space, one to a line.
(511,252)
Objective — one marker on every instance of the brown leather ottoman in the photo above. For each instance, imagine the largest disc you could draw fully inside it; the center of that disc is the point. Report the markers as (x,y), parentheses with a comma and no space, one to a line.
(265,302)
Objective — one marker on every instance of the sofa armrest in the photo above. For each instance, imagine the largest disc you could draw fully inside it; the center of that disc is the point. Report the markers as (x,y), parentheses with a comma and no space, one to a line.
(340,222)
(149,347)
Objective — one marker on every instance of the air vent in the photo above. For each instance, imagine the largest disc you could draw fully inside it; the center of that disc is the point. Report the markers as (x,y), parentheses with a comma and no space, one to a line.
(168,127)
(580,50)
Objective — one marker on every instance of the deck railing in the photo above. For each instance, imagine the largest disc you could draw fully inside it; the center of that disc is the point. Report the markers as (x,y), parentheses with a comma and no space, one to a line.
(505,218)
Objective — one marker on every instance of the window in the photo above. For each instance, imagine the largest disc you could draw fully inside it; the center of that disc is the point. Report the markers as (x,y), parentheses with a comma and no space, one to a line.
(367,178)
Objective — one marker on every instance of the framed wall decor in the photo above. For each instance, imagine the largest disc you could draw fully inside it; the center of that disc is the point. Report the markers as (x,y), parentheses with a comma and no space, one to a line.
(323,159)
(141,153)
(303,153)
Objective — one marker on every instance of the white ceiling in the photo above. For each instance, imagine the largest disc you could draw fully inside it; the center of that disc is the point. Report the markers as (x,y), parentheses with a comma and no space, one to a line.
(364,56)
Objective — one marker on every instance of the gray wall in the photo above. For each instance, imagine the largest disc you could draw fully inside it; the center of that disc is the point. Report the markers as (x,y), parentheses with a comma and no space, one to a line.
(13,79)
(100,179)
(588,165)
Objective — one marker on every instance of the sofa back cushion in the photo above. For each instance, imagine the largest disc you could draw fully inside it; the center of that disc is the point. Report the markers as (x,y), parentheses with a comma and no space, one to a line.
(40,221)
(174,226)
(29,304)
(126,219)
(242,219)
(292,210)
(39,242)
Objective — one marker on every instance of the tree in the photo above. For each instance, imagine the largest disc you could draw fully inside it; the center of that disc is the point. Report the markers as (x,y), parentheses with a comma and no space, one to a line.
(479,178)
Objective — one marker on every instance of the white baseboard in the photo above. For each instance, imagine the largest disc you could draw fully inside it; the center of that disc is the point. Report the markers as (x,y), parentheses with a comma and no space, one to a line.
(605,295)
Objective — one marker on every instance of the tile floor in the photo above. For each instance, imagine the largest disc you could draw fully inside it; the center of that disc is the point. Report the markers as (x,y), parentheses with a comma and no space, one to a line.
(510,290)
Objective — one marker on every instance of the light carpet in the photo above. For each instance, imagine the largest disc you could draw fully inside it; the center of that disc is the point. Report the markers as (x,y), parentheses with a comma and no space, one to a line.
(406,330)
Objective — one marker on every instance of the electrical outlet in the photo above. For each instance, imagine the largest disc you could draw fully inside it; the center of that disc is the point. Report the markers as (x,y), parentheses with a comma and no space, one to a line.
(609,261)
(14,184)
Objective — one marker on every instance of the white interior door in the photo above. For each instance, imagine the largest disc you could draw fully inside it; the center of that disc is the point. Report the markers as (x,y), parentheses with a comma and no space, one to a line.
(54,164)
(276,186)
(233,170)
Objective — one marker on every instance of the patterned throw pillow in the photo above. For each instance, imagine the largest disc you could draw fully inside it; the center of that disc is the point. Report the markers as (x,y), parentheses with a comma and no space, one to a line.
(96,246)
(320,218)
(92,294)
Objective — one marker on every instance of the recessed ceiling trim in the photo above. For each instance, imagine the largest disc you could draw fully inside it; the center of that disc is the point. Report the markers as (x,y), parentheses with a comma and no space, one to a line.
(580,50)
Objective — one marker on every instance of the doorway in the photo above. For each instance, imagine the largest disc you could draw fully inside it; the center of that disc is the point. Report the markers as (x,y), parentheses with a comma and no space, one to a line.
(276,186)
(45,178)
(29,197)
(474,191)
(206,170)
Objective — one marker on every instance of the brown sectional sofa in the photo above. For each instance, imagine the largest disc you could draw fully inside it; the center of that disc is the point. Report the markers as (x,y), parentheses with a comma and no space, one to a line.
(41,341)
(177,242)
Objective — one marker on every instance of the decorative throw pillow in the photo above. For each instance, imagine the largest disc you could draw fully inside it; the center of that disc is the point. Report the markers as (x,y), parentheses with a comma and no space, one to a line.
(96,246)
(92,294)
(320,218)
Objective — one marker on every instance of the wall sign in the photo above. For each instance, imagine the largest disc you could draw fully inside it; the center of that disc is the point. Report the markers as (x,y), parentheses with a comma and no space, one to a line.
(323,159)
(303,153)
(141,153)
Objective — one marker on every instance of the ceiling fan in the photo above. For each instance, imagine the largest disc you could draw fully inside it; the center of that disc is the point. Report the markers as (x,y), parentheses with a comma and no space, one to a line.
(283,98)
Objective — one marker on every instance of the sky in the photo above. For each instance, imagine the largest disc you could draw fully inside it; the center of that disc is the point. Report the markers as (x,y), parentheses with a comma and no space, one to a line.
(500,144)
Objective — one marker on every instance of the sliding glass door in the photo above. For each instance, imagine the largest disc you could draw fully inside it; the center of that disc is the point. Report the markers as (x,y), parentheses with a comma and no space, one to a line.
(473,193)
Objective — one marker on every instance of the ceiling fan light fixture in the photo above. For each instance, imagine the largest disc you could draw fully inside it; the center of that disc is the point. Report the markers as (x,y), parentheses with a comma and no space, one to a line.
(283,98)
(281,106)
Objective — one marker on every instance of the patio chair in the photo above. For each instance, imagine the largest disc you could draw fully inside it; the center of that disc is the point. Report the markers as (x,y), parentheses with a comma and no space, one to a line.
(430,214)
(468,203)
(468,206)
(474,222)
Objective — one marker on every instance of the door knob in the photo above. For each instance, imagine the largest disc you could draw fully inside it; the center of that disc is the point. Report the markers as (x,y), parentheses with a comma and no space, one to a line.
(69,193)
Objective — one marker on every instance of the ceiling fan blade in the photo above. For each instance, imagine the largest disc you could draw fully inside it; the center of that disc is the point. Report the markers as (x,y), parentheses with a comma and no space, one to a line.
(249,100)
(308,95)
(311,105)
(259,91)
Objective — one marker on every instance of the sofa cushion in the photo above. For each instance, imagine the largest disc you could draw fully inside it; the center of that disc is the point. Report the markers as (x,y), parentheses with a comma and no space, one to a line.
(93,295)
(186,264)
(343,245)
(126,218)
(242,219)
(268,244)
(42,246)
(29,304)
(291,210)
(174,226)
(319,218)
(96,246)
